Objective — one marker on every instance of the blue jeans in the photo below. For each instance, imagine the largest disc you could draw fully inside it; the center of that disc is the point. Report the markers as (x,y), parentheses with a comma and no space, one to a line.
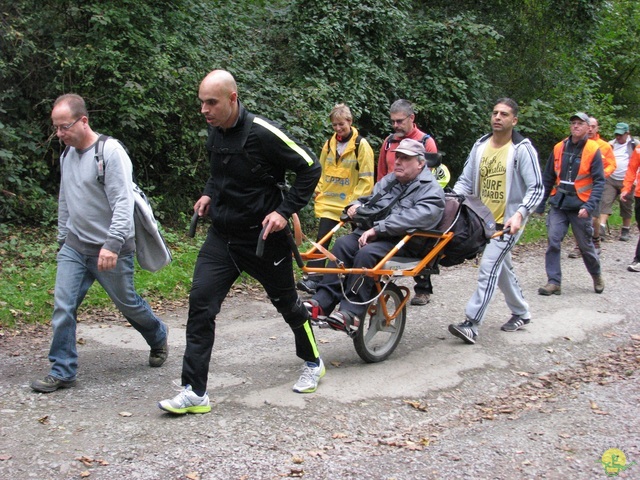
(75,274)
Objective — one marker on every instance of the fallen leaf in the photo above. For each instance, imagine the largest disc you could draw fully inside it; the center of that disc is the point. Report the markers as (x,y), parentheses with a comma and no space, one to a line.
(5,457)
(81,341)
(294,473)
(87,461)
(193,476)
(317,453)
(44,420)
(297,460)
(523,374)
(126,414)
(336,363)
(417,405)
(339,435)
(85,474)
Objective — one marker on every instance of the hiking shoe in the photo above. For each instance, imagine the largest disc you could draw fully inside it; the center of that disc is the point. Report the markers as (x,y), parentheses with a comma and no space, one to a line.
(307,285)
(157,356)
(186,402)
(550,289)
(310,375)
(420,299)
(51,384)
(598,283)
(467,331)
(516,322)
(625,235)
(634,267)
(344,321)
(575,253)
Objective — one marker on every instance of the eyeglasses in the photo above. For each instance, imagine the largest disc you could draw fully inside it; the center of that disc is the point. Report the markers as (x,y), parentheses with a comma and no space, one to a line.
(64,128)
(398,121)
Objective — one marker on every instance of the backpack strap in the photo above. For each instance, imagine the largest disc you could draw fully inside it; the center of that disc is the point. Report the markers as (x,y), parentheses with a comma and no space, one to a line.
(373,200)
(99,156)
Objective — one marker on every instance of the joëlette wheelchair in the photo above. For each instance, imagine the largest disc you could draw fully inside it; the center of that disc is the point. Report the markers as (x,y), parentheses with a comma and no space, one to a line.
(379,333)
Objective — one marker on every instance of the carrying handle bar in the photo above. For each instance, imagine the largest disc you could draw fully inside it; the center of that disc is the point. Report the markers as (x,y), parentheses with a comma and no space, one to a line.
(194,224)
(290,240)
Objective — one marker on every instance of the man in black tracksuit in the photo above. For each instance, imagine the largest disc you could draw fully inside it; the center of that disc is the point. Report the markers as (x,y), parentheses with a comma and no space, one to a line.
(249,157)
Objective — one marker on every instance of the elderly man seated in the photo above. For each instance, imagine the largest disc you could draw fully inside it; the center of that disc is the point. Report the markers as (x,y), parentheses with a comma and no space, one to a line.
(414,200)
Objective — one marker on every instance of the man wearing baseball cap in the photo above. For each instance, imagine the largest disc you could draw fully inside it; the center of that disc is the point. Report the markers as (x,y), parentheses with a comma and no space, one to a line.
(573,181)
(407,198)
(623,147)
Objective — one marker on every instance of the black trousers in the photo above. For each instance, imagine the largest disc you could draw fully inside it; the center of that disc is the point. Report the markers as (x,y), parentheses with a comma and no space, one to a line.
(358,288)
(220,261)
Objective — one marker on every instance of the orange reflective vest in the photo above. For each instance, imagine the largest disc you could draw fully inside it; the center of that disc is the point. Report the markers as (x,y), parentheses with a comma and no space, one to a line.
(608,158)
(583,181)
(633,173)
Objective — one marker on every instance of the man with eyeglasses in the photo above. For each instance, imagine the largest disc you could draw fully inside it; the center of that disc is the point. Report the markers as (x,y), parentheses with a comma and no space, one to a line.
(96,235)
(573,181)
(402,117)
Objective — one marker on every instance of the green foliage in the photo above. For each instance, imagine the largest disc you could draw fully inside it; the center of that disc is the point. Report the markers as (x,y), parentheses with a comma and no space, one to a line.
(139,64)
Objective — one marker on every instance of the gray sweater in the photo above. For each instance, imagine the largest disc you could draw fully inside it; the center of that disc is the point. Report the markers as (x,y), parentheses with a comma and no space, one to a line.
(92,216)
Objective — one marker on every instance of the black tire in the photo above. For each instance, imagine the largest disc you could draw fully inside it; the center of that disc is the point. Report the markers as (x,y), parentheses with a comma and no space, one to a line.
(374,340)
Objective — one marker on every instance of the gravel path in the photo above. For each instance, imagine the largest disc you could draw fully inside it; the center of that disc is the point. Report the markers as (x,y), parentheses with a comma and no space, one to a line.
(545,402)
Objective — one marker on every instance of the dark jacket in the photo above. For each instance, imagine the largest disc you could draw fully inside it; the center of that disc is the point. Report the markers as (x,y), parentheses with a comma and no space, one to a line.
(247,161)
(420,206)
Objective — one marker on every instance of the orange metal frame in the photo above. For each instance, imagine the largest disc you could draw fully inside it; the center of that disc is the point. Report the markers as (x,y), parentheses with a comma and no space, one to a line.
(377,272)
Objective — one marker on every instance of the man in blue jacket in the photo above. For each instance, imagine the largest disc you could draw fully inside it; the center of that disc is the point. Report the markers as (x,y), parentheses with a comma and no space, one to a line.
(249,158)
(503,171)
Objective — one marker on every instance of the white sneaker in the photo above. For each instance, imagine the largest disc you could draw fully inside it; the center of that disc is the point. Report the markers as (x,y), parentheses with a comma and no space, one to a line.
(186,402)
(309,378)
(634,267)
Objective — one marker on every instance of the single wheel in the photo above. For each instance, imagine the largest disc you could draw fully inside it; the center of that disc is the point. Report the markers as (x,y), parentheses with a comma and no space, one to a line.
(375,340)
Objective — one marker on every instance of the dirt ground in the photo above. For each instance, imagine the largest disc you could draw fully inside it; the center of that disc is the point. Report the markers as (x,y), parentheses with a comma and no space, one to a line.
(548,401)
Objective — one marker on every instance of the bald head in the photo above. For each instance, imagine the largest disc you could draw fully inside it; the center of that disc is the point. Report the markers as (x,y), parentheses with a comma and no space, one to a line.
(218,95)
(222,79)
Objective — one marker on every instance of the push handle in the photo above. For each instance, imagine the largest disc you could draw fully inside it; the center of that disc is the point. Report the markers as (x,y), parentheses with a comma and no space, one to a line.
(194,224)
(290,240)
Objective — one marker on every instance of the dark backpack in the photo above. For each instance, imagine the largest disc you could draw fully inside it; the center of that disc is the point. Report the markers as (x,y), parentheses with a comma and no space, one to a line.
(472,224)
